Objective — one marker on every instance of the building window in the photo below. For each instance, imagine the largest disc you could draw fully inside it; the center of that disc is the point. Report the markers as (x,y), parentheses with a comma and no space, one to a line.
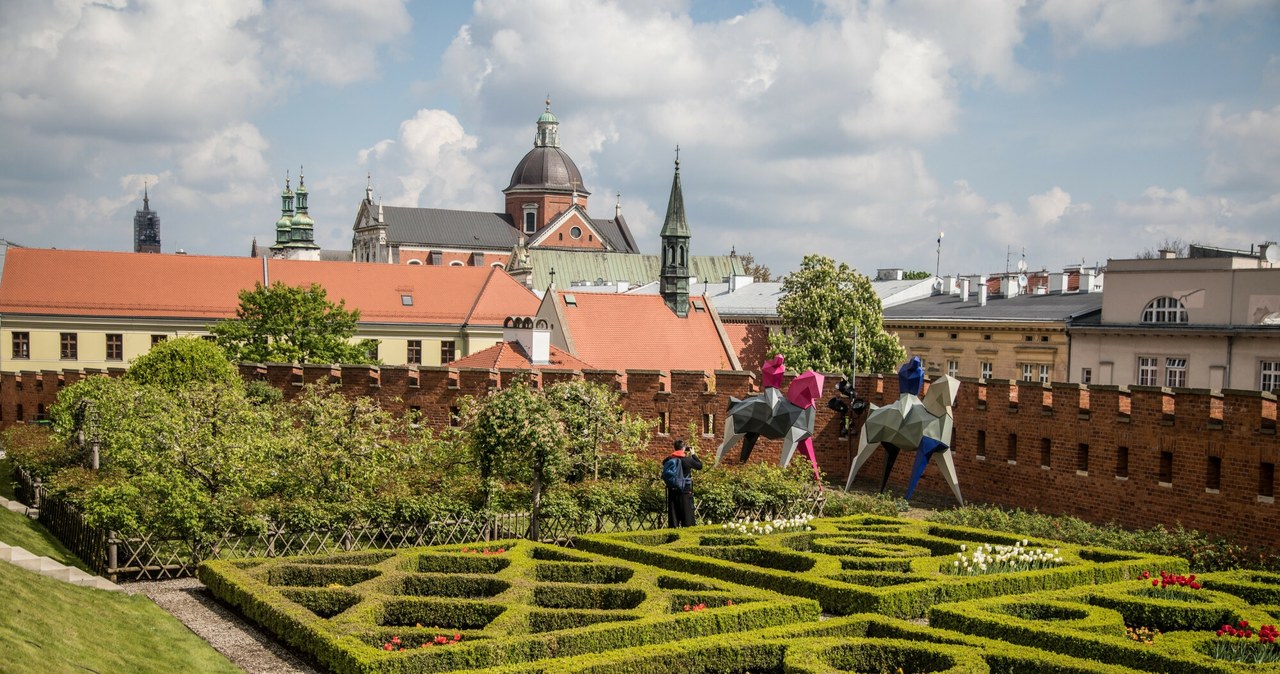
(1012,455)
(920,335)
(1175,372)
(21,345)
(69,346)
(456,263)
(953,336)
(1086,375)
(1082,458)
(447,351)
(435,257)
(156,339)
(986,369)
(1164,310)
(477,259)
(115,347)
(1122,462)
(1046,452)
(1166,468)
(455,416)
(530,222)
(1028,371)
(708,423)
(406,300)
(415,352)
(953,367)
(982,445)
(1270,377)
(1044,374)
(1148,367)
(663,428)
(1267,480)
(575,232)
(1212,473)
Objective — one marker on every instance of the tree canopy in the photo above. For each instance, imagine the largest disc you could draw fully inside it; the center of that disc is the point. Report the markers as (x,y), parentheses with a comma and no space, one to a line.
(175,363)
(823,306)
(757,271)
(916,275)
(287,324)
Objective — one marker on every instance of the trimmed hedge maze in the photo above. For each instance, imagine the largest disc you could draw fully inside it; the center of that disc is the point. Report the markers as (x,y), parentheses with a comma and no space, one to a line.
(858,594)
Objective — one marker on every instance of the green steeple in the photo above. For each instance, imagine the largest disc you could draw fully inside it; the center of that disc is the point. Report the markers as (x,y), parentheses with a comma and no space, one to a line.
(548,128)
(675,235)
(285,223)
(302,227)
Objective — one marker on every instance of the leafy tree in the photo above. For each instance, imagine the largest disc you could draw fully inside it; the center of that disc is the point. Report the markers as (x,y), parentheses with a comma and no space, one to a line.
(515,434)
(757,271)
(822,307)
(594,421)
(287,324)
(916,275)
(175,363)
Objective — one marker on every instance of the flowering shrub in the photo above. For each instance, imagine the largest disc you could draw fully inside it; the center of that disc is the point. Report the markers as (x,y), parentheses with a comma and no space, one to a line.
(439,640)
(1170,586)
(1141,635)
(1237,645)
(989,558)
(755,528)
(485,551)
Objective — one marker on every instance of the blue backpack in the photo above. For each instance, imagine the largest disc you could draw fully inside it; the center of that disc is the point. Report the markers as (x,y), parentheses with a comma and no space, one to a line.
(673,474)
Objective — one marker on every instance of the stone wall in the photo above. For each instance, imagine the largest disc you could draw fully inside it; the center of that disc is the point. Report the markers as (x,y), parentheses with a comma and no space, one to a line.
(1139,456)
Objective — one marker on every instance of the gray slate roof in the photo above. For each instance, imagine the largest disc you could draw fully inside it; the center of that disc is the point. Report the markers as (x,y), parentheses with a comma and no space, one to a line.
(1052,307)
(477,229)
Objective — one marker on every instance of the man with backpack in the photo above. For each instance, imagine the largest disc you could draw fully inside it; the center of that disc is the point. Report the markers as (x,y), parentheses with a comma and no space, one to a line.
(677,469)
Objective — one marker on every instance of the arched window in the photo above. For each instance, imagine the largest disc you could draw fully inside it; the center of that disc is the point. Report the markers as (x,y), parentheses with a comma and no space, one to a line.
(415,261)
(1164,310)
(456,263)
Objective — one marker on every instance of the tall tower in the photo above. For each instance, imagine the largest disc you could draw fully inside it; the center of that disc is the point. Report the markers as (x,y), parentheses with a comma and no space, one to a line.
(302,245)
(675,250)
(546,182)
(146,226)
(285,223)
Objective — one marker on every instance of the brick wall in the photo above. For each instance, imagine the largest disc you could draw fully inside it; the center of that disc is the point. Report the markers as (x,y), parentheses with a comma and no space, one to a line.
(1140,456)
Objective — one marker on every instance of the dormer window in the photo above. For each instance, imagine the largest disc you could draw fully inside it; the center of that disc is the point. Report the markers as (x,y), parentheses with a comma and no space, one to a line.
(435,257)
(1164,310)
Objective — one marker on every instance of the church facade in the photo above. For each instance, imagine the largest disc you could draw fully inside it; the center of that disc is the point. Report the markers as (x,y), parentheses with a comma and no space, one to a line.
(545,217)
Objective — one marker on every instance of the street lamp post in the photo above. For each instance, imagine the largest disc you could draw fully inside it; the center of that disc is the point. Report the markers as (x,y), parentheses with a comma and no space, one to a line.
(937,266)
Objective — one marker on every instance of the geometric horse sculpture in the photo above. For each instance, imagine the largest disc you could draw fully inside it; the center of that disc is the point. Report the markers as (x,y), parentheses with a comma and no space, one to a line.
(774,416)
(922,425)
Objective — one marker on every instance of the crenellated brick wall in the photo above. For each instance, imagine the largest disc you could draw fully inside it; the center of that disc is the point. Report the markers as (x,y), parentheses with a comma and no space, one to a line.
(1139,456)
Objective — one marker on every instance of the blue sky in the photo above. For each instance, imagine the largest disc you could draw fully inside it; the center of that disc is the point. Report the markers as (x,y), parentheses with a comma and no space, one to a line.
(1076,130)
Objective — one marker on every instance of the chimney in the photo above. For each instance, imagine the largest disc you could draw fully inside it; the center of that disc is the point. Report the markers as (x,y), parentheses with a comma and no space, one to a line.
(982,294)
(964,290)
(1009,286)
(1168,254)
(1086,280)
(949,285)
(532,334)
(738,282)
(1058,282)
(889,274)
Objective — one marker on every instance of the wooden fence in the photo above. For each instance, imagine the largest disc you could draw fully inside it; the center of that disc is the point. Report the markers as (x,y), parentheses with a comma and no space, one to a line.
(148,557)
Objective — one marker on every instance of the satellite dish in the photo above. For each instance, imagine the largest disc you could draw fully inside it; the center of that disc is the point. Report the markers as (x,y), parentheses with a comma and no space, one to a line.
(1022,280)
(1271,253)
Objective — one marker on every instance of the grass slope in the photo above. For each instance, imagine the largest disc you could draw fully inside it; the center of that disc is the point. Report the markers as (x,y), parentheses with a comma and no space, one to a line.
(51,627)
(26,533)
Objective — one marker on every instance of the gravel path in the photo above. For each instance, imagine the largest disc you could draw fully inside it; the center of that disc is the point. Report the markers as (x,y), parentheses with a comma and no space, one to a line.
(189,601)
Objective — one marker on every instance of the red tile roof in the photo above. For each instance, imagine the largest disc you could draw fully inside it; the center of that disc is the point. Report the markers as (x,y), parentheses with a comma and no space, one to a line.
(92,283)
(510,355)
(639,332)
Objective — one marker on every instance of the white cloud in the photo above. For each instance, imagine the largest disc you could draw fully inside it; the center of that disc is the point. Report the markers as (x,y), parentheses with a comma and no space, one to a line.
(909,93)
(233,155)
(1121,23)
(433,162)
(1244,149)
(332,41)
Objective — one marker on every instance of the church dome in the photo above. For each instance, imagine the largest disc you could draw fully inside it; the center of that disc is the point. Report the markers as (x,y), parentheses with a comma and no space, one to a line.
(547,168)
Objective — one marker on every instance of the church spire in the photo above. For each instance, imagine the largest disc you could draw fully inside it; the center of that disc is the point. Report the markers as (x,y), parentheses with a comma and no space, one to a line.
(548,128)
(675,249)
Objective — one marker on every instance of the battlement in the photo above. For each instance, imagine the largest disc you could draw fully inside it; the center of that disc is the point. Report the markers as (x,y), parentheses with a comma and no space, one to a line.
(1136,455)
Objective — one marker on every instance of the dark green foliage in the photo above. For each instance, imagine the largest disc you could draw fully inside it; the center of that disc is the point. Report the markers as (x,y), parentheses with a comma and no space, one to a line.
(462,563)
(1253,587)
(324,602)
(680,583)
(588,597)
(581,573)
(770,559)
(320,576)
(444,614)
(718,539)
(452,585)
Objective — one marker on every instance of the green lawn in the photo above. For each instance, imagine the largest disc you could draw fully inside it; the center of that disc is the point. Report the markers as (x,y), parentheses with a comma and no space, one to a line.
(50,626)
(26,533)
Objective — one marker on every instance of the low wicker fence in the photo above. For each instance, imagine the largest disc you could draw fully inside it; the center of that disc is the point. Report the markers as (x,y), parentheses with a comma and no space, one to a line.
(148,557)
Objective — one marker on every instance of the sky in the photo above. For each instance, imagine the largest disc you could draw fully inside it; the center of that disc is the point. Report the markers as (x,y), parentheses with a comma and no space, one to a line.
(1055,131)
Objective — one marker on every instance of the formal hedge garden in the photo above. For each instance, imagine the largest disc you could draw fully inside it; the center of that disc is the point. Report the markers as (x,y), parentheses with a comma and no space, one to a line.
(856,594)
